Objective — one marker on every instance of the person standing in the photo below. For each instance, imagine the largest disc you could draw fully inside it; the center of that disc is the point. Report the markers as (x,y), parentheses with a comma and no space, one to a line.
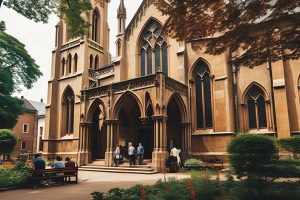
(131,151)
(117,153)
(173,159)
(140,153)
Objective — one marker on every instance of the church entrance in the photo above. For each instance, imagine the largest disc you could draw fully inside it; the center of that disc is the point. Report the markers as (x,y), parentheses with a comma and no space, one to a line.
(134,129)
(98,134)
(174,128)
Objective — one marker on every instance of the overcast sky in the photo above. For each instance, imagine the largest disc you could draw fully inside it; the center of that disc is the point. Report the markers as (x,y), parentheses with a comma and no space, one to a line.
(39,40)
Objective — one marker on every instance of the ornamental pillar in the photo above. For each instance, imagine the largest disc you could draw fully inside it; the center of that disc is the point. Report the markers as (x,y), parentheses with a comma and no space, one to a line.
(160,153)
(112,133)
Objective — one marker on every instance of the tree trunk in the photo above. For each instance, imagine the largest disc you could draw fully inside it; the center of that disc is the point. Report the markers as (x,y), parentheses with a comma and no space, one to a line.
(1,3)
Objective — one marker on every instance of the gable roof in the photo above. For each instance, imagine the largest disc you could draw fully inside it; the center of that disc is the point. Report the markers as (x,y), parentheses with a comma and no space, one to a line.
(39,106)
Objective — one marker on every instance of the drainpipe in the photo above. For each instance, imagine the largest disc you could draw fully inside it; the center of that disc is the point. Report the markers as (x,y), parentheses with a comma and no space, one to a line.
(272,95)
(235,98)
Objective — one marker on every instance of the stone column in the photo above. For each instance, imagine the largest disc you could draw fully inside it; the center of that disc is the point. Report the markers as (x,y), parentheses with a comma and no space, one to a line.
(185,139)
(160,153)
(84,154)
(112,128)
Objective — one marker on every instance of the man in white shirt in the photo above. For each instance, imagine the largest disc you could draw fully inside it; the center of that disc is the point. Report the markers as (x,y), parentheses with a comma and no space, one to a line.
(173,159)
(131,151)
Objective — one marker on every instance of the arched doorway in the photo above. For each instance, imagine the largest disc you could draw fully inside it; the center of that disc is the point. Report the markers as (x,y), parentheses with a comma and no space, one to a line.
(132,128)
(174,128)
(97,131)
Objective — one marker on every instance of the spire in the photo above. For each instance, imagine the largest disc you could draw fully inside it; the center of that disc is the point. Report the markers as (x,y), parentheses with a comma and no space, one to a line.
(122,10)
(121,17)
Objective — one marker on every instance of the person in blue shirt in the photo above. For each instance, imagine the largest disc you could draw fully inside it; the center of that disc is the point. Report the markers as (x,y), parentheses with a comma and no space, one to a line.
(58,164)
(38,162)
(140,153)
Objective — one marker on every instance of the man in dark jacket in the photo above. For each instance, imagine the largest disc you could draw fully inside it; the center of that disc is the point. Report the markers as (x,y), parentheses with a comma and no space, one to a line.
(38,162)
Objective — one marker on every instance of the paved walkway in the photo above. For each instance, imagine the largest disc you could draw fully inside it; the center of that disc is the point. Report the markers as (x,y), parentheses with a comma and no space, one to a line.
(88,183)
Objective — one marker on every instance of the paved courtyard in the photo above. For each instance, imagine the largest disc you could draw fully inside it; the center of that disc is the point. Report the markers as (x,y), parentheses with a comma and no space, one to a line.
(88,183)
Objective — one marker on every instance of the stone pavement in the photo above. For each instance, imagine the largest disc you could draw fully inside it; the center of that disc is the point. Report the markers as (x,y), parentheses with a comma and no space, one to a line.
(88,183)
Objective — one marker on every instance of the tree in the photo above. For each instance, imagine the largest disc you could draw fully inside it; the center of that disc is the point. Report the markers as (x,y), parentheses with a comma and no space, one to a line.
(8,141)
(254,32)
(72,11)
(17,68)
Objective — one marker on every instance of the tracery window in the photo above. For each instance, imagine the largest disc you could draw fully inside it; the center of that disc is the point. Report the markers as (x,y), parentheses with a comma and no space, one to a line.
(153,45)
(203,87)
(257,116)
(95,25)
(68,102)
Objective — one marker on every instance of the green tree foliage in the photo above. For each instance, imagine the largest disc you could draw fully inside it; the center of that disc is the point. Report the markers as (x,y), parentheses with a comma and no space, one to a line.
(72,11)
(264,31)
(291,144)
(8,141)
(17,68)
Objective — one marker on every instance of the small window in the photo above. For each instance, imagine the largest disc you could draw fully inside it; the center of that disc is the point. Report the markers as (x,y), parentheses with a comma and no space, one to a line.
(41,130)
(25,128)
(23,145)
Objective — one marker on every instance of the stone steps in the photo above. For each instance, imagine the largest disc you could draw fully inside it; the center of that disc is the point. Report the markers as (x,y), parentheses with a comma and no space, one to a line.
(98,165)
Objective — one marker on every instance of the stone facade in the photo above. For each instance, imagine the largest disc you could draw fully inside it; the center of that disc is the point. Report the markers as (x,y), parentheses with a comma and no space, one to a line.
(160,92)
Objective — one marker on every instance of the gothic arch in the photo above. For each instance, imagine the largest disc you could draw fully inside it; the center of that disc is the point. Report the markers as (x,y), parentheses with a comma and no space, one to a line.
(177,98)
(148,103)
(91,61)
(69,63)
(96,18)
(68,107)
(194,66)
(265,94)
(256,108)
(152,49)
(75,63)
(120,102)
(96,103)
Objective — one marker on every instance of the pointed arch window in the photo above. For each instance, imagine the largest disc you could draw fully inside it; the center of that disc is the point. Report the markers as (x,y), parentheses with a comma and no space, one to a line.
(96,62)
(257,115)
(68,103)
(153,45)
(63,63)
(91,61)
(95,25)
(75,62)
(203,87)
(69,63)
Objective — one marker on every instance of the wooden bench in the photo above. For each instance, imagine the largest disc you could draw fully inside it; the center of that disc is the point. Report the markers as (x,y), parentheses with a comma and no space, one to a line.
(214,164)
(57,175)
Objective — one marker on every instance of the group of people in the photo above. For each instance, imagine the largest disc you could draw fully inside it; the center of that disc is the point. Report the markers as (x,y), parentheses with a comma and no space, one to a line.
(39,163)
(174,159)
(132,154)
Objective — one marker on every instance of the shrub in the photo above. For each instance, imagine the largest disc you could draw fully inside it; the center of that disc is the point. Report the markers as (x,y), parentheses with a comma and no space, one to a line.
(240,190)
(193,164)
(16,176)
(291,144)
(195,188)
(248,151)
(8,141)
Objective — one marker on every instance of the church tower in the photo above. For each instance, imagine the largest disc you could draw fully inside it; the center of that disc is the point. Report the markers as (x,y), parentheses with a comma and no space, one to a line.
(73,61)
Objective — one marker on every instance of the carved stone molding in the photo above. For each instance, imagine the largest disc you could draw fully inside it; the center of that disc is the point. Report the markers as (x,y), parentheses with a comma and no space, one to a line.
(176,86)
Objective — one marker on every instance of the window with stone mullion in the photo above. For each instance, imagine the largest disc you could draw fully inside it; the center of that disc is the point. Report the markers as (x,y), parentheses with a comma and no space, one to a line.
(203,89)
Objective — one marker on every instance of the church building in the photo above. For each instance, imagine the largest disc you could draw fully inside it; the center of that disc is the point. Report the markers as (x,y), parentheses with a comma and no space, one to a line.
(159,92)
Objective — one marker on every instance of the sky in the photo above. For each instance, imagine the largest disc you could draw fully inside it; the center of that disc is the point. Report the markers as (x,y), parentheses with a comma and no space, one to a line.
(39,40)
